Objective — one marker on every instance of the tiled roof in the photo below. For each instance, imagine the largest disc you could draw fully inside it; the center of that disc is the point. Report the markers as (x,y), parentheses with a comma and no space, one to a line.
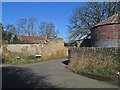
(33,38)
(111,20)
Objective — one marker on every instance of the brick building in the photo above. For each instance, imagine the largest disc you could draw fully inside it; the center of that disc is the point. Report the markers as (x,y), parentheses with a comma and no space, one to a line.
(107,32)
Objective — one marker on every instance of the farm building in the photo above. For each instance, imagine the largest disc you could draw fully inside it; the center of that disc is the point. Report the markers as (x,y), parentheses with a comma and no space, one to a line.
(33,39)
(107,32)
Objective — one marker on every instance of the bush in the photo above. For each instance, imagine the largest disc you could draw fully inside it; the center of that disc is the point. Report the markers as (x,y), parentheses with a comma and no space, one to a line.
(4,41)
(5,55)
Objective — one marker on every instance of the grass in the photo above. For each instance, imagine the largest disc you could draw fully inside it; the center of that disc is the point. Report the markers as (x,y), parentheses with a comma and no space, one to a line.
(98,70)
(24,60)
(101,71)
(107,74)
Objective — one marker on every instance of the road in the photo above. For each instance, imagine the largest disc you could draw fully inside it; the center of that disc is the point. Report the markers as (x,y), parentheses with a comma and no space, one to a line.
(48,74)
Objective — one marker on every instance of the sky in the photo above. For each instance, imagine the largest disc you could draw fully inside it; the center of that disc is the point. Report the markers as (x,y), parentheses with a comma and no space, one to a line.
(59,0)
(56,12)
(0,11)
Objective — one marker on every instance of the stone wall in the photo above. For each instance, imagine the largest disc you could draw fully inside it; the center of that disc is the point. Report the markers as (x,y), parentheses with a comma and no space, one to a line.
(93,60)
(53,49)
(0,51)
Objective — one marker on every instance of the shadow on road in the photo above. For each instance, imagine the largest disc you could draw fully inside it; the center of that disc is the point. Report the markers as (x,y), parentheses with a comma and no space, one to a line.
(66,62)
(18,77)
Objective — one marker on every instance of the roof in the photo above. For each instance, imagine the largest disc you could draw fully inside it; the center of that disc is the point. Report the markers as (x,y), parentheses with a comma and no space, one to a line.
(115,19)
(32,38)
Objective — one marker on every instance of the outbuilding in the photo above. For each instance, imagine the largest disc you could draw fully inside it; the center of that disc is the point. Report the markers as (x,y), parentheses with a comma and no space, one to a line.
(107,32)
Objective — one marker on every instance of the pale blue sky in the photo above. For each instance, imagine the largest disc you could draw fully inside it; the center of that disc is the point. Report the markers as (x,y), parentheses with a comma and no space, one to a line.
(60,0)
(55,12)
(0,11)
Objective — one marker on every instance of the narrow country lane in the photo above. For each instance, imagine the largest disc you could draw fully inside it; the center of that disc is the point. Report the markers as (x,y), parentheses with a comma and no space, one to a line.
(48,74)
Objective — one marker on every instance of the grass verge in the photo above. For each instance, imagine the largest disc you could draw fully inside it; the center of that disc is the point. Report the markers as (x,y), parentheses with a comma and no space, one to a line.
(24,60)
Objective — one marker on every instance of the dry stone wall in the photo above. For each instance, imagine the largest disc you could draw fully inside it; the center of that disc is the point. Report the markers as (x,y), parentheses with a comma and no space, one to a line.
(94,60)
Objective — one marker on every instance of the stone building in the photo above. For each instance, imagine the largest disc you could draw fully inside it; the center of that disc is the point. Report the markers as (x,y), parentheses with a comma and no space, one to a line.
(107,32)
(33,39)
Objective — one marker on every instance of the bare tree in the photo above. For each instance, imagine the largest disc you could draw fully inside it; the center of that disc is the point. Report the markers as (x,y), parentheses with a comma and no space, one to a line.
(11,28)
(27,26)
(48,30)
(1,27)
(111,8)
(85,17)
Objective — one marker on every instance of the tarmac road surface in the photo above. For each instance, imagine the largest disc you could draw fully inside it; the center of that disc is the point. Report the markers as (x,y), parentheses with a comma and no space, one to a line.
(48,74)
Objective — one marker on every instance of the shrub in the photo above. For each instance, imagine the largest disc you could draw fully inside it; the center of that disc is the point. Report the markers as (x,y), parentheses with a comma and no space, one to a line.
(5,55)
(4,41)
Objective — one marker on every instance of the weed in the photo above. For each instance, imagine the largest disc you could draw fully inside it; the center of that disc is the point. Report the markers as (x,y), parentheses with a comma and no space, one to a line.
(24,60)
